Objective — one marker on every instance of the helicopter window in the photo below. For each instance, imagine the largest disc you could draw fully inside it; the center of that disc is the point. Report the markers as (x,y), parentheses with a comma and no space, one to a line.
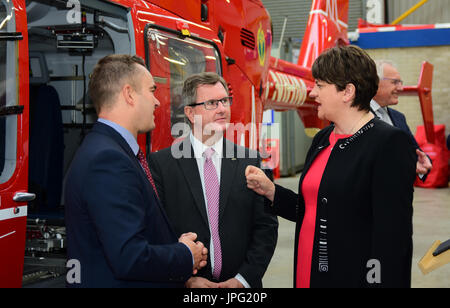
(172,60)
(8,92)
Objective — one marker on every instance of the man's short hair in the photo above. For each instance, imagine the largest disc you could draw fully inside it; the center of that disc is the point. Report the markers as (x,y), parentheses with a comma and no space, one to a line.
(380,66)
(108,77)
(349,64)
(191,84)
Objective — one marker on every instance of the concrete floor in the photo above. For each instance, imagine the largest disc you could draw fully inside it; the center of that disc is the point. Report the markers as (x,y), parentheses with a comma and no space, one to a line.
(431,222)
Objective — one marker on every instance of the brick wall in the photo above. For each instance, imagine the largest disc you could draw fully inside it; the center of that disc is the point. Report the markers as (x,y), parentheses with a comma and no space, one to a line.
(409,62)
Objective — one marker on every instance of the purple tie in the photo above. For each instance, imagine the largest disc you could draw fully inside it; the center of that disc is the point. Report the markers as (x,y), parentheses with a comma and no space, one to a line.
(212,188)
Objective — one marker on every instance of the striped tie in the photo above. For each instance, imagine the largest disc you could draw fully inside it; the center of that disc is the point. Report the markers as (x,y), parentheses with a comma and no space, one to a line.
(212,188)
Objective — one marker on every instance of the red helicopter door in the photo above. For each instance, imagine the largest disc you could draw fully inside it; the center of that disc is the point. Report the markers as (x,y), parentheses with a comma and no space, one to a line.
(13,140)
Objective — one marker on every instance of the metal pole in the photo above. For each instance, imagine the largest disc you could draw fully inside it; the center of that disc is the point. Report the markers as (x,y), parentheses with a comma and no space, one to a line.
(408,12)
(281,40)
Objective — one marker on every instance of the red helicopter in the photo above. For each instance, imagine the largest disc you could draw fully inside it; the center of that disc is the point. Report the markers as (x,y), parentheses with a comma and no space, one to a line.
(48,49)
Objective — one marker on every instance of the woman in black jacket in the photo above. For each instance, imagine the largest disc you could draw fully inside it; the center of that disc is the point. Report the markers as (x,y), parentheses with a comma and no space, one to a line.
(354,206)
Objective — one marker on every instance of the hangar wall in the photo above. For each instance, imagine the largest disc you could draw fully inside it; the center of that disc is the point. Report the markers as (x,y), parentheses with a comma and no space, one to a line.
(435,11)
(408,61)
(297,12)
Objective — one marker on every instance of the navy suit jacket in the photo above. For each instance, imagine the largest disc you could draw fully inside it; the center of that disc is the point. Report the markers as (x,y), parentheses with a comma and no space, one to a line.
(399,120)
(116,227)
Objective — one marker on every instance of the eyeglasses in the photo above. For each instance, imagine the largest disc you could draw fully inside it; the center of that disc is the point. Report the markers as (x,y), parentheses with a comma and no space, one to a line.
(396,82)
(214,103)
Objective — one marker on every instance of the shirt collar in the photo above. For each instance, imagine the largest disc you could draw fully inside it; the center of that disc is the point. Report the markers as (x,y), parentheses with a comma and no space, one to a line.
(129,138)
(377,108)
(199,147)
(374,105)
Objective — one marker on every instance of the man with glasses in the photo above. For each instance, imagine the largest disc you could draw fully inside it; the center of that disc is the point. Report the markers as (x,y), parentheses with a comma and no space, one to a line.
(387,95)
(205,191)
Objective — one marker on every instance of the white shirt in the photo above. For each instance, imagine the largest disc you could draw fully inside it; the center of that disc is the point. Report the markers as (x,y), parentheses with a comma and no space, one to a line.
(199,148)
(381,112)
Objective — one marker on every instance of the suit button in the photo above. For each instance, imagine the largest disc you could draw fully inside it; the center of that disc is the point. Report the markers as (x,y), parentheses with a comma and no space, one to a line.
(324,201)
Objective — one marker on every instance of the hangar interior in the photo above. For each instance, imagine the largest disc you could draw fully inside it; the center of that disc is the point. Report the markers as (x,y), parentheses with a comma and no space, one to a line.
(431,206)
(55,61)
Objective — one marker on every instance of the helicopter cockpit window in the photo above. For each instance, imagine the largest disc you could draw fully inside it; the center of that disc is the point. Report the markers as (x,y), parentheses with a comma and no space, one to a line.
(8,92)
(172,60)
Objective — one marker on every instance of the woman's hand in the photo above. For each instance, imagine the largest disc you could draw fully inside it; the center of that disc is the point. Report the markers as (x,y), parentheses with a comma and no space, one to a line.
(259,182)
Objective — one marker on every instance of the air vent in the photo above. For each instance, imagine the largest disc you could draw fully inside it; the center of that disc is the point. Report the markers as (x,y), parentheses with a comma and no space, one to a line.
(247,39)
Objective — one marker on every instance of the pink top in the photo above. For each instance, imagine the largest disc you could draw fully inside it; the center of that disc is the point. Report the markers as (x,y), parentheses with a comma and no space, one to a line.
(310,190)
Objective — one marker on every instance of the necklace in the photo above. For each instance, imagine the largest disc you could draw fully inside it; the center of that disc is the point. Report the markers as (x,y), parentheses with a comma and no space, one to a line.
(351,130)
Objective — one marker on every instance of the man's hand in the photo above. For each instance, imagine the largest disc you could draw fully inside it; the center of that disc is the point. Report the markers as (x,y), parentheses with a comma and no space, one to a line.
(198,250)
(259,182)
(231,283)
(423,163)
(200,282)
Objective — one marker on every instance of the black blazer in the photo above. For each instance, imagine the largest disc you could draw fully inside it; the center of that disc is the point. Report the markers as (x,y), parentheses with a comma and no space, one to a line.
(364,203)
(248,234)
(116,227)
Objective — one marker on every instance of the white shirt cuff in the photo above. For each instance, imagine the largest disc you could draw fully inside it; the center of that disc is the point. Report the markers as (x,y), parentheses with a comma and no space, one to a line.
(243,281)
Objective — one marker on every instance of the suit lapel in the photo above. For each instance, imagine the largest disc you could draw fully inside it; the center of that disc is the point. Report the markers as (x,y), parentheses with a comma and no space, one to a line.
(189,167)
(228,173)
(104,129)
(111,132)
(190,171)
(392,117)
(107,130)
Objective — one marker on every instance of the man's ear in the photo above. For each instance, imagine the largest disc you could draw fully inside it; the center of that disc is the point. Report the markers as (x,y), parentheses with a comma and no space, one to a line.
(189,112)
(349,93)
(128,94)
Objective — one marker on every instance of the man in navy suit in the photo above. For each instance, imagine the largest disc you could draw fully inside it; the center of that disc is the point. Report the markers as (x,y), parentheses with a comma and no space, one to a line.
(387,95)
(117,229)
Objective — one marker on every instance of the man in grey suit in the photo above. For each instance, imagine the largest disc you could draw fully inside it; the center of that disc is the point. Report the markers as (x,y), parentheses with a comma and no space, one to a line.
(201,183)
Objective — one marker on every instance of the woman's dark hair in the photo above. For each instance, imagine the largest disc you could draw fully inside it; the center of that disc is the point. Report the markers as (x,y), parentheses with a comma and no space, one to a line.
(349,64)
